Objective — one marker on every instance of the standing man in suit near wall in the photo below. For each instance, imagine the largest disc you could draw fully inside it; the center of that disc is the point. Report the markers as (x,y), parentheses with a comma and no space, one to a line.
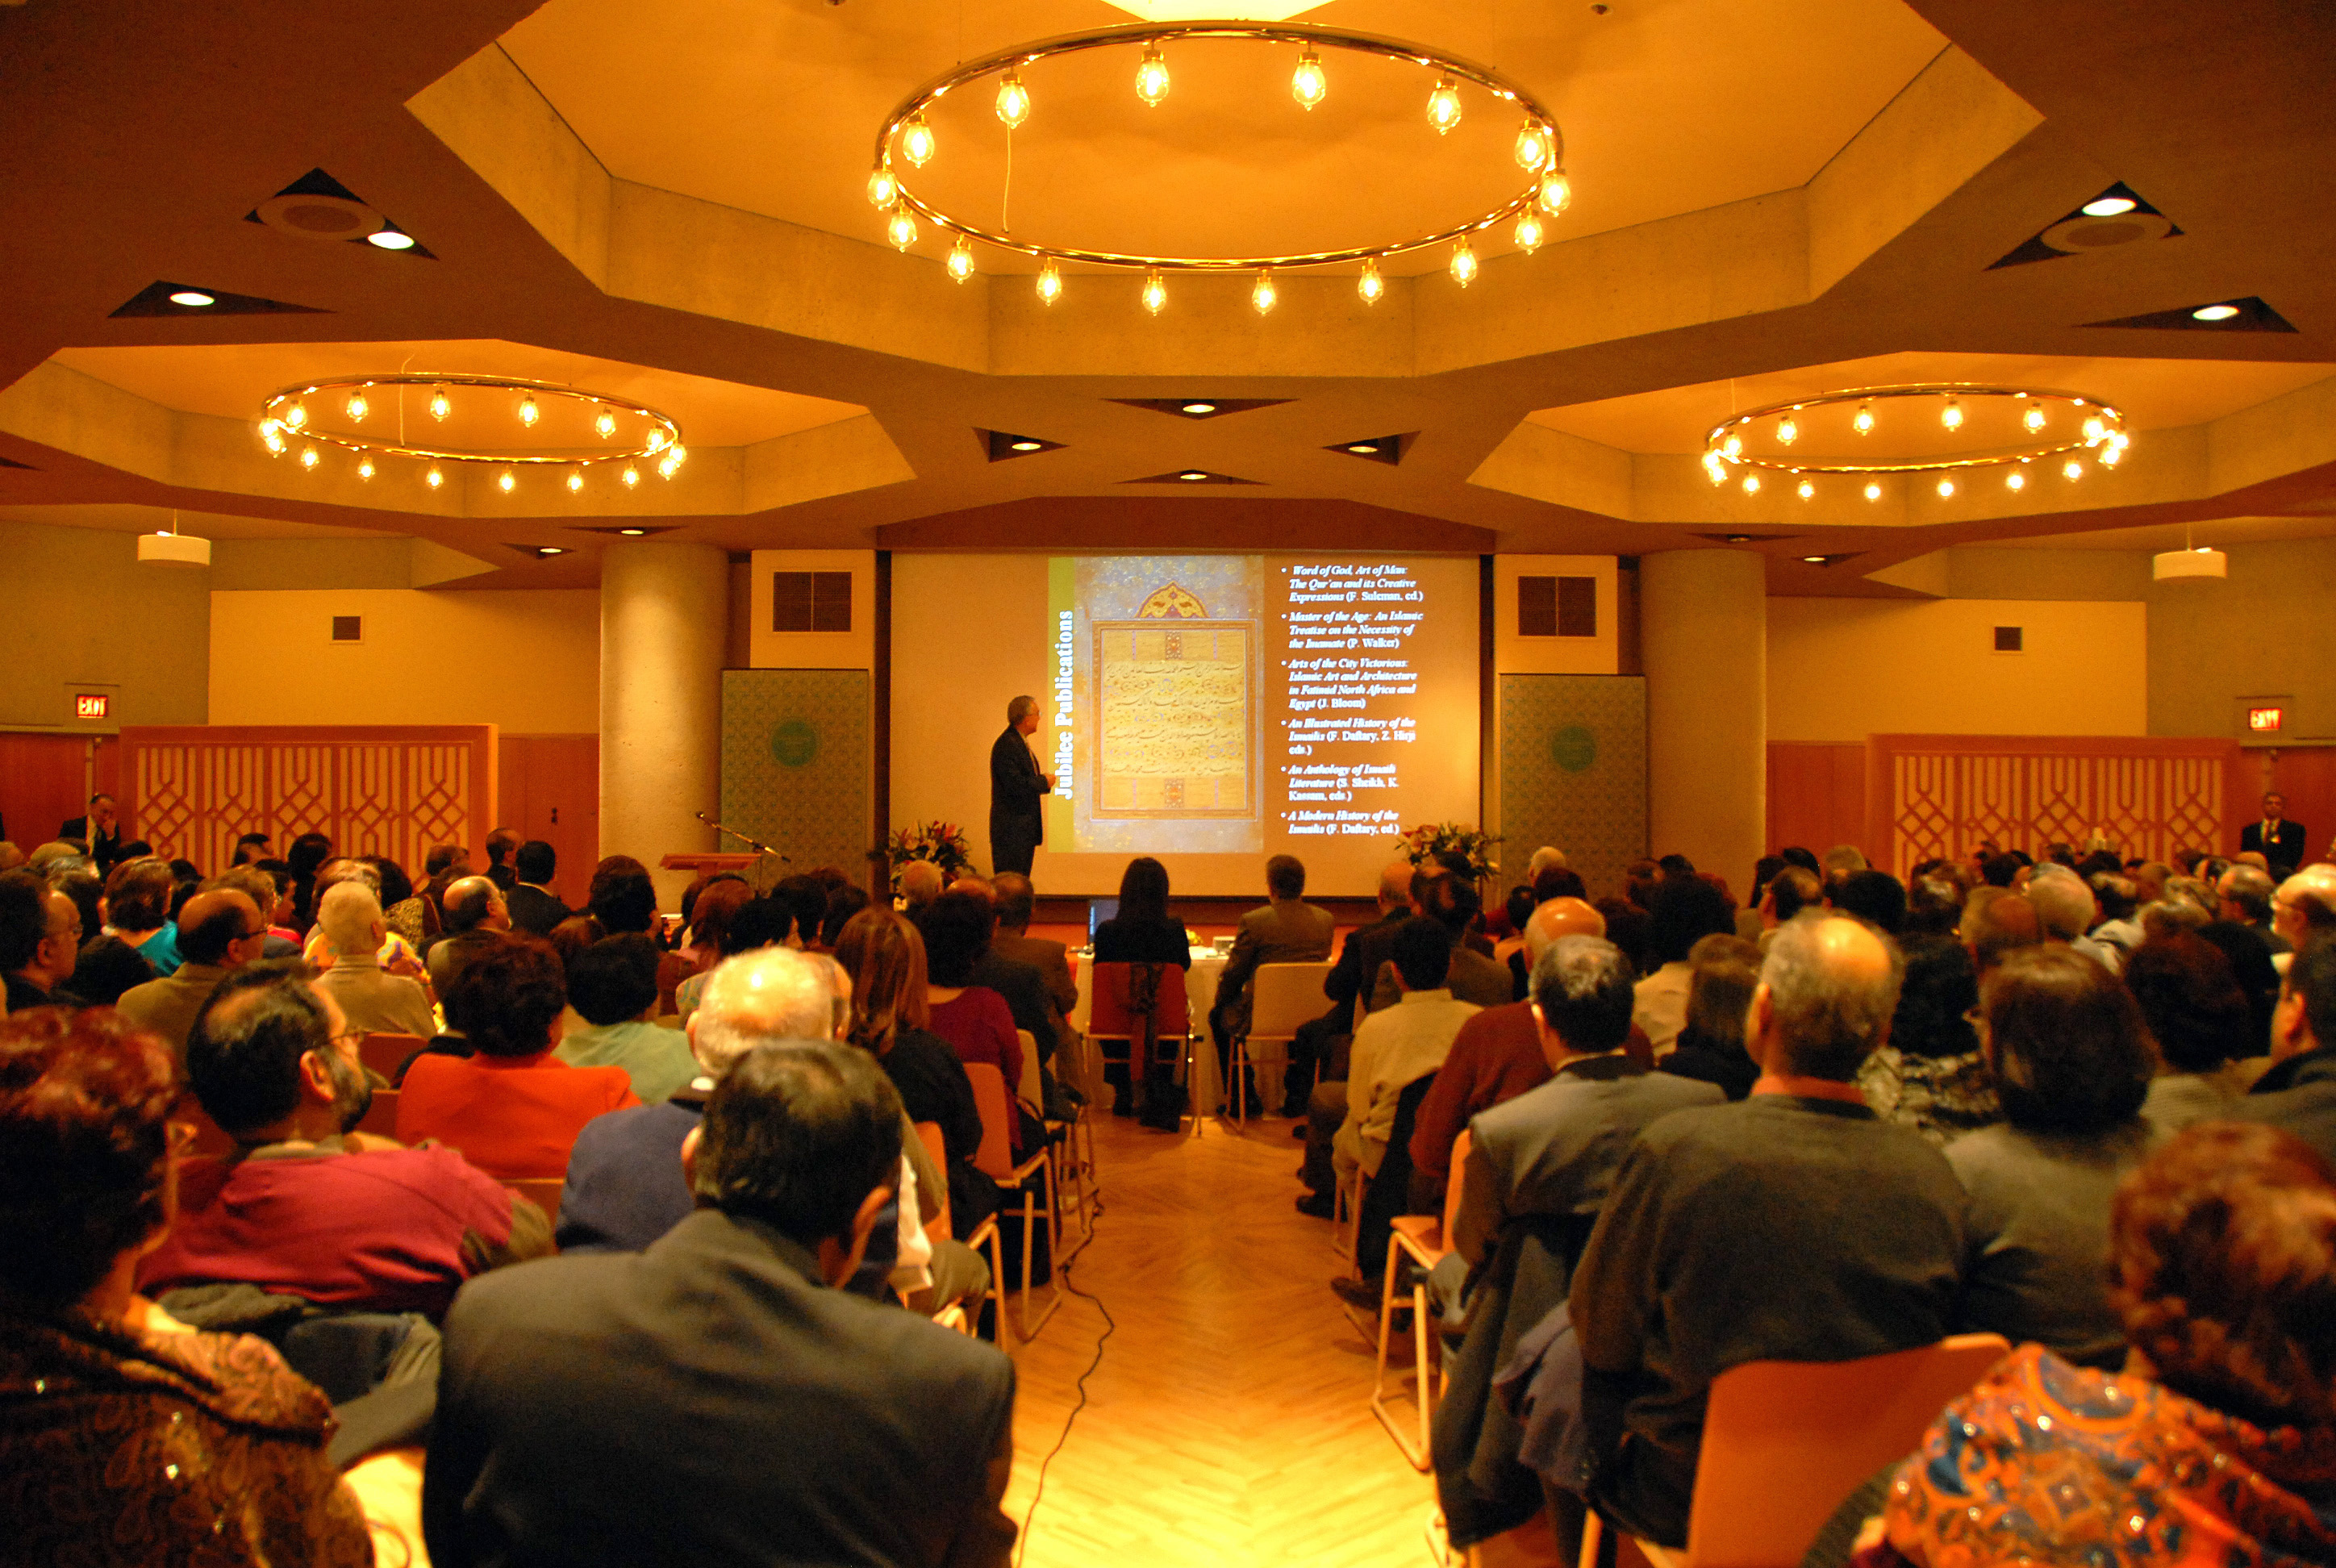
(1016,828)
(2277,840)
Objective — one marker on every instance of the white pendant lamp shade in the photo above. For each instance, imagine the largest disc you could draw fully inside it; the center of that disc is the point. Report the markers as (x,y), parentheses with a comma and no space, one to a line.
(174,550)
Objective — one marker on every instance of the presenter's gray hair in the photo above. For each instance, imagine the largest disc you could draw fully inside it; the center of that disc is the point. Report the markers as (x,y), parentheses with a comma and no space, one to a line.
(1830,1018)
(1020,708)
(765,995)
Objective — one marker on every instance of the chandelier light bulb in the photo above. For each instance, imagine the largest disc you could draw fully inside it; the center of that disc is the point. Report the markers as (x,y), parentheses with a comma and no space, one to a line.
(667,466)
(1265,295)
(1532,147)
(917,141)
(308,457)
(678,456)
(632,476)
(902,230)
(1732,448)
(1307,83)
(1556,193)
(1013,101)
(1872,489)
(1951,416)
(528,412)
(1151,77)
(1751,484)
(1806,490)
(1787,432)
(1464,263)
(1155,292)
(656,441)
(272,433)
(960,260)
(2111,452)
(606,426)
(434,477)
(575,481)
(1370,285)
(1529,234)
(1050,282)
(440,404)
(1946,489)
(882,188)
(2034,418)
(364,468)
(1862,421)
(2073,469)
(1444,106)
(2094,428)
(358,407)
(506,482)
(2015,480)
(1717,470)
(297,416)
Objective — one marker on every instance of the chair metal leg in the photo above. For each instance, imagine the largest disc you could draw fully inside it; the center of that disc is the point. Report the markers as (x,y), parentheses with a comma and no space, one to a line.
(1028,1327)
(1417,1454)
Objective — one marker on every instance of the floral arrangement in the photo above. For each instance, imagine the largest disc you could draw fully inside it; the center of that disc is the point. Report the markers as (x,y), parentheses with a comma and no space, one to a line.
(943,844)
(1429,839)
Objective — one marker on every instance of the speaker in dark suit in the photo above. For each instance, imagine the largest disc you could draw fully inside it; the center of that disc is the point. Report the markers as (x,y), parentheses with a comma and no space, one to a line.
(2277,840)
(1016,825)
(717,1399)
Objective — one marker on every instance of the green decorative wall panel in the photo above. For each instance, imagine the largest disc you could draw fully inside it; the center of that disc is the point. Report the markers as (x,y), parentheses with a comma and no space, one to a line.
(795,763)
(1573,773)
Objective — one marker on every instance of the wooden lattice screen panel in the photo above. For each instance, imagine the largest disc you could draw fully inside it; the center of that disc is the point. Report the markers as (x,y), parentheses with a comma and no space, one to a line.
(1931,795)
(393,790)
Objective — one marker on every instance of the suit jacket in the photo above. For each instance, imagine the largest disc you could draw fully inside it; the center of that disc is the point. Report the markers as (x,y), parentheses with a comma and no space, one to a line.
(2285,849)
(533,910)
(1295,933)
(1025,991)
(1048,959)
(1473,978)
(103,850)
(167,1006)
(1016,785)
(2298,1095)
(1356,970)
(711,1400)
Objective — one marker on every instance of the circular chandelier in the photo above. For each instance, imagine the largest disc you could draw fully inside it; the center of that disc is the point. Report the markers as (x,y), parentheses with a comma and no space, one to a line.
(333,412)
(1538,150)
(2050,424)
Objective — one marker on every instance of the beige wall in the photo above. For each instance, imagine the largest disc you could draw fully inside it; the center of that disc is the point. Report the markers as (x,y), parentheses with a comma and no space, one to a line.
(528,661)
(83,611)
(2262,632)
(1840,670)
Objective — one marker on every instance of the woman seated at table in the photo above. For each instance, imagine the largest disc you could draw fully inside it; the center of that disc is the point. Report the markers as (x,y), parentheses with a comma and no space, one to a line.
(1142,932)
(127,1437)
(2217,1445)
(974,1019)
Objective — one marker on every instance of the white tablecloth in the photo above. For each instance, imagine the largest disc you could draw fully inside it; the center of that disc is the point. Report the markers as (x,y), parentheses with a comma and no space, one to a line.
(1200,995)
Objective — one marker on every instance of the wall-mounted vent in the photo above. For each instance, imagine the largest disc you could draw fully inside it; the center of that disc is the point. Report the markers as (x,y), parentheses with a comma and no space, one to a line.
(2009,639)
(1557,606)
(811,601)
(348,629)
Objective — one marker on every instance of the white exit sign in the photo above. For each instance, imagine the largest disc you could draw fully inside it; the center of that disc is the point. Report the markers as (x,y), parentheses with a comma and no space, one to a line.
(93,704)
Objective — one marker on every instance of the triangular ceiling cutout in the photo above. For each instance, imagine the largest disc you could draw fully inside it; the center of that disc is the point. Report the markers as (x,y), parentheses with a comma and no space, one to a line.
(185,299)
(2247,315)
(319,206)
(1191,476)
(1387,448)
(12,462)
(1201,407)
(2117,216)
(1002,445)
(1746,538)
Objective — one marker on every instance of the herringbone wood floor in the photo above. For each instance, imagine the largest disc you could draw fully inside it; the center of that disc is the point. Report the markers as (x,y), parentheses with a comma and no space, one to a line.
(1229,1422)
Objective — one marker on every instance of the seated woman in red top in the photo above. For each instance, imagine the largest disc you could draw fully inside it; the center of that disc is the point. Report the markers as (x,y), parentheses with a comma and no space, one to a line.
(974,1019)
(513,1109)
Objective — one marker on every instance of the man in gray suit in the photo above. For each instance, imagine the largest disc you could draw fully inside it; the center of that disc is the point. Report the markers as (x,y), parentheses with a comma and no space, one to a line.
(1287,930)
(1453,904)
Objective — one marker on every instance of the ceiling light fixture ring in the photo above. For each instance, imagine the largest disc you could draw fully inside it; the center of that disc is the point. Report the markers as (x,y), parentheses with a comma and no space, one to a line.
(1150,36)
(663,435)
(2094,424)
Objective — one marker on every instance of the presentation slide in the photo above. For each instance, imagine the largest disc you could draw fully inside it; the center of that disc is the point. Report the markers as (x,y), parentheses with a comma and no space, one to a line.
(1212,710)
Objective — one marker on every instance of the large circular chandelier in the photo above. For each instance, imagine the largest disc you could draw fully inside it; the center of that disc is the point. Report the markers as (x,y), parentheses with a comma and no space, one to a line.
(906,135)
(556,427)
(2017,430)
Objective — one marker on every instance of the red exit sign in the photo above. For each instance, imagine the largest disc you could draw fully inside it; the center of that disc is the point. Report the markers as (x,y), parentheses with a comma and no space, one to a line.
(2266,720)
(91,705)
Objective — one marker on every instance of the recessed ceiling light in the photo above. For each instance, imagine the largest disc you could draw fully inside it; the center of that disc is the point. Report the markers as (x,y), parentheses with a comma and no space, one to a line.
(390,240)
(1365,447)
(1029,445)
(632,532)
(2203,313)
(192,296)
(1191,473)
(1740,538)
(2110,206)
(1813,560)
(549,549)
(1200,408)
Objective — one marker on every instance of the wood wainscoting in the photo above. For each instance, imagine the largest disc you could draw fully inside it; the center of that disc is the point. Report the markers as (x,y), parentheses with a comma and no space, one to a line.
(551,791)
(46,779)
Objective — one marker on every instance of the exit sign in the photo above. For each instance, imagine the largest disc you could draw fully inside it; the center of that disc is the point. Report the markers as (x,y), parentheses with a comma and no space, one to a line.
(93,704)
(2266,720)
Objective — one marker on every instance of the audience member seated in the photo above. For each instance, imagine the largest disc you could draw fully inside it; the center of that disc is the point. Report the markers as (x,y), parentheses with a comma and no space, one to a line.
(2246,892)
(1510,947)
(138,912)
(1877,898)
(1496,1056)
(622,896)
(612,987)
(372,999)
(1929,1074)
(1723,971)
(307,1207)
(1286,930)
(269,889)
(1143,932)
(842,904)
(1021,985)
(512,1106)
(1017,901)
(476,914)
(805,900)
(2213,1444)
(2304,909)
(820,1428)
(2200,1020)
(219,933)
(2066,910)
(1686,911)
(40,941)
(920,883)
(406,913)
(2071,1060)
(1996,923)
(126,1438)
(711,915)
(501,860)
(534,907)
(1452,902)
(1794,1226)
(973,1019)
(573,935)
(1394,1048)
(2298,1095)
(1796,888)
(1314,1055)
(97,831)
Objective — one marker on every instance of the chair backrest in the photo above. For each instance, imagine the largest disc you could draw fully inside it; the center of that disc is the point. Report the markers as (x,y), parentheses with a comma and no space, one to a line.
(381,1117)
(1460,1147)
(994,1158)
(543,1191)
(1029,1091)
(1784,1442)
(1284,996)
(385,1054)
(1110,1017)
(929,1134)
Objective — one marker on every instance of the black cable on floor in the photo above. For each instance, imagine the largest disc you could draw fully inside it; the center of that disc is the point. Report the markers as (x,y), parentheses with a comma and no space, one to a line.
(1111,1326)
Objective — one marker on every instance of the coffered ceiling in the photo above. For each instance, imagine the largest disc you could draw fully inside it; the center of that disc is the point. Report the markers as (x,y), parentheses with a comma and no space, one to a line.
(1774,197)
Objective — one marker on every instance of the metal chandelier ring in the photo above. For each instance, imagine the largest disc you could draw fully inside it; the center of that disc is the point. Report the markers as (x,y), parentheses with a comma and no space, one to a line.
(664,433)
(2112,426)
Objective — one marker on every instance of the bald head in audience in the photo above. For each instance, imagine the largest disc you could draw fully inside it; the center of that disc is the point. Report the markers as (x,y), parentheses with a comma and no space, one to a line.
(768,994)
(920,883)
(1995,922)
(2064,905)
(2305,906)
(1828,988)
(1395,886)
(476,904)
(222,928)
(1558,919)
